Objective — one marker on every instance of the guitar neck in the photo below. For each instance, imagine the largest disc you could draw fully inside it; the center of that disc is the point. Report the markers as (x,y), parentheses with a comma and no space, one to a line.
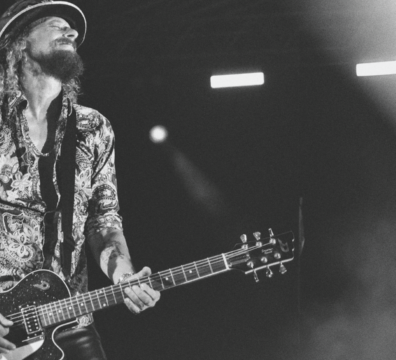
(70,308)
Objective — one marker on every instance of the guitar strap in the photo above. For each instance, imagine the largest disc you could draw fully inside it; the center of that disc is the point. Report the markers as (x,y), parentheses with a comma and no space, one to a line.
(66,180)
(65,170)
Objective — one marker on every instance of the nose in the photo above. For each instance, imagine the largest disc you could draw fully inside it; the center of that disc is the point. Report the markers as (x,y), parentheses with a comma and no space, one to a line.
(70,33)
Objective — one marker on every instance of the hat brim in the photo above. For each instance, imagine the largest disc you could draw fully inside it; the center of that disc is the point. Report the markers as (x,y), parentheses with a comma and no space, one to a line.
(65,10)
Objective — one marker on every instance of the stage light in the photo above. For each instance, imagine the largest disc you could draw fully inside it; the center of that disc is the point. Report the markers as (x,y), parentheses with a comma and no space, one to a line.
(376,68)
(248,79)
(158,134)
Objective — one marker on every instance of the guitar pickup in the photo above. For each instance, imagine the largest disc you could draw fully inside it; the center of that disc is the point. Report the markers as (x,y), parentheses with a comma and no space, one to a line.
(31,320)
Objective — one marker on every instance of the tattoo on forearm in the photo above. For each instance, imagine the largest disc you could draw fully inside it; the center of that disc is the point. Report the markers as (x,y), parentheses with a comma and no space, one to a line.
(110,253)
(109,257)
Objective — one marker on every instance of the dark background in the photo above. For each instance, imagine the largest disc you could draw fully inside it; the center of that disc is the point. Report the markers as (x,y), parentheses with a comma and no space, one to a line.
(314,132)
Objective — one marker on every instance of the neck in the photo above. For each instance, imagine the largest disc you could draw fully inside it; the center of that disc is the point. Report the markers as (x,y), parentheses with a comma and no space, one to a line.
(40,91)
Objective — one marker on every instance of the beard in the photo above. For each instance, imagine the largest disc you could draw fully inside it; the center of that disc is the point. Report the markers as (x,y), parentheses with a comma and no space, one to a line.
(63,65)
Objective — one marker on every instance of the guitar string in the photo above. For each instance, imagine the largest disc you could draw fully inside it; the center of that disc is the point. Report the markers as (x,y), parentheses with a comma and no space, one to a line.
(173,273)
(20,318)
(57,304)
(103,294)
(100,295)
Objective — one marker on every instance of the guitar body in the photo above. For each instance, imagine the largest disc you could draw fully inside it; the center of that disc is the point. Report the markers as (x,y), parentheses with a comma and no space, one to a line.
(38,288)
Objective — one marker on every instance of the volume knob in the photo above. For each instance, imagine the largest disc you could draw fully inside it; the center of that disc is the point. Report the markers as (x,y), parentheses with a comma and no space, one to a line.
(250,264)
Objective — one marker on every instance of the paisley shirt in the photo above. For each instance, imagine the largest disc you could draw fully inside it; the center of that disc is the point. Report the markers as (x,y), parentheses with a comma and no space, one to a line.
(22,208)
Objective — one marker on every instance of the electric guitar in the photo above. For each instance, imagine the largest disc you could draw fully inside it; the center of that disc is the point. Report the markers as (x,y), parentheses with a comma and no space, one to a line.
(40,304)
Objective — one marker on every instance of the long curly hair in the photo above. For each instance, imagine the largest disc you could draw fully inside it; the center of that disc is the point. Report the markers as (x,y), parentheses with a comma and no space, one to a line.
(12,57)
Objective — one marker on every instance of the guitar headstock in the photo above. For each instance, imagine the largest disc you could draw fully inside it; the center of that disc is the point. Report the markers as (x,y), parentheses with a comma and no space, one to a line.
(258,254)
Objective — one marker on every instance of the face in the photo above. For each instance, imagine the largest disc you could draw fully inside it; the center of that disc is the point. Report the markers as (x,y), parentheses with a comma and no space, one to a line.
(52,45)
(51,35)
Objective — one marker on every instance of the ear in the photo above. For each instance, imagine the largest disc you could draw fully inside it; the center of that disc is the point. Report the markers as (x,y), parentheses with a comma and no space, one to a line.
(23,44)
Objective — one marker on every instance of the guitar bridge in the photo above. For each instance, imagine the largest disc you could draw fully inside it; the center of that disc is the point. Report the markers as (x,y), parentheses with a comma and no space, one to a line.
(31,320)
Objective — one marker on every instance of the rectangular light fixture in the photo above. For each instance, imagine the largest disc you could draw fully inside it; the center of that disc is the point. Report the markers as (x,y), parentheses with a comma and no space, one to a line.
(376,68)
(249,79)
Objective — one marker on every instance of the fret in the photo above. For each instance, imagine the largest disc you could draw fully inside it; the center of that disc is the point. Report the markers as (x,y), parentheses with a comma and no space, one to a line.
(156,285)
(121,294)
(210,265)
(53,314)
(74,304)
(104,299)
(97,302)
(110,296)
(64,309)
(48,312)
(122,290)
(196,268)
(177,276)
(78,305)
(204,269)
(112,291)
(82,301)
(227,267)
(184,274)
(218,264)
(153,284)
(70,308)
(190,272)
(92,304)
(167,280)
(161,285)
(59,311)
(44,312)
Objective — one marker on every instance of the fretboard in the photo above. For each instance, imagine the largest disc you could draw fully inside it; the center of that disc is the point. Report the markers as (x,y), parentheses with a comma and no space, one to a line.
(67,309)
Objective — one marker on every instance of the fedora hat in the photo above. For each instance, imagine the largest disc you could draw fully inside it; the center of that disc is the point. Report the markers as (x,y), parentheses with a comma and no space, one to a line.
(24,12)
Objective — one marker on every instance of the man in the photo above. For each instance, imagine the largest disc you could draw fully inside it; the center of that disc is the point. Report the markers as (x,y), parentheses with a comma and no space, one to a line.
(38,91)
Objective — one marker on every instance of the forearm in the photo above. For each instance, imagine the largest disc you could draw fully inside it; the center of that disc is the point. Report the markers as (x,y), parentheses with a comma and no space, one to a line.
(111,252)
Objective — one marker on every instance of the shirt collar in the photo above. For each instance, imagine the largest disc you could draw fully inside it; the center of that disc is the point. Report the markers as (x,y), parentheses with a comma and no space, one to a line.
(18,101)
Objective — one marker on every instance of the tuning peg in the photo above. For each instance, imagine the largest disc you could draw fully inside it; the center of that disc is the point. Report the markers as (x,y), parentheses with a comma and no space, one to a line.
(282,269)
(272,237)
(269,273)
(250,264)
(257,235)
(243,238)
(256,278)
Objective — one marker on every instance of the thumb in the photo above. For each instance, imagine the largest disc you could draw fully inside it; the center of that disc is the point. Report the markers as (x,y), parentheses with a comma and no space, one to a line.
(146,271)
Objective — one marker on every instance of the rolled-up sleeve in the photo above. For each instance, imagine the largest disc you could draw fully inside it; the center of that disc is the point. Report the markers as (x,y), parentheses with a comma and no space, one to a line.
(103,206)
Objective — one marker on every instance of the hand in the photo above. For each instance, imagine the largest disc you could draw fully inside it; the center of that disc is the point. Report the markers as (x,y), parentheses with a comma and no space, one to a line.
(141,297)
(5,345)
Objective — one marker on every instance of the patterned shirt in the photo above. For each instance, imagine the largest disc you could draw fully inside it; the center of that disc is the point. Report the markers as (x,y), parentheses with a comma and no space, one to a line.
(22,207)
